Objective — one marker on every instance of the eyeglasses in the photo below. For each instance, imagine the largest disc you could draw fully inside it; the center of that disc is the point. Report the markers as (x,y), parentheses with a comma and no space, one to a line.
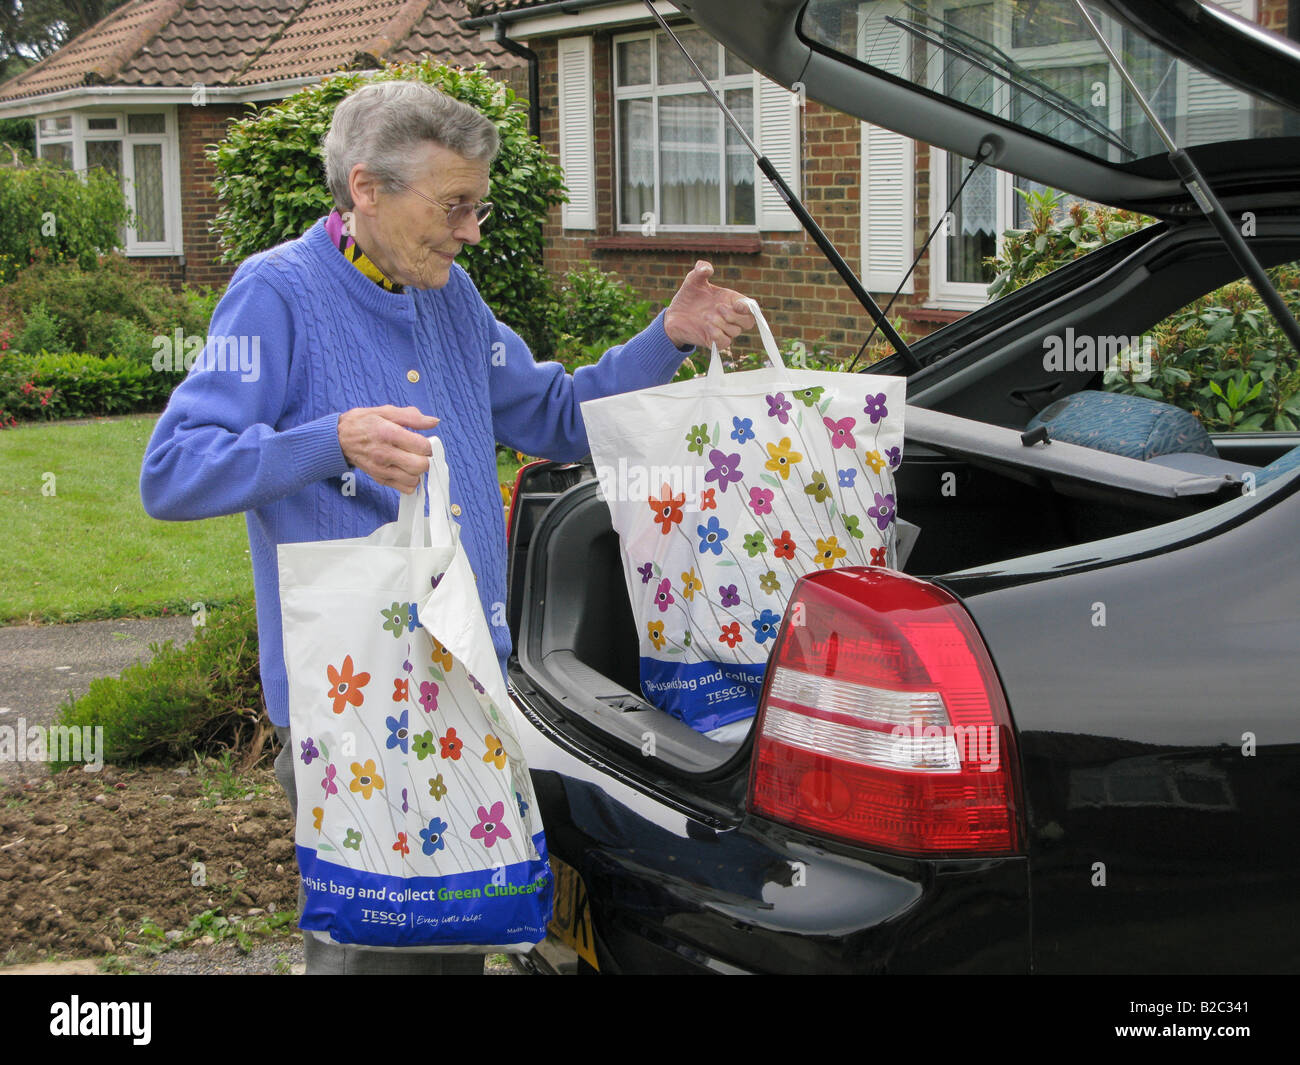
(457,214)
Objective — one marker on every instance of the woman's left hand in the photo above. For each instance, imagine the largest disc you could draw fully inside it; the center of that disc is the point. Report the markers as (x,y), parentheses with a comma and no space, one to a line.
(701,314)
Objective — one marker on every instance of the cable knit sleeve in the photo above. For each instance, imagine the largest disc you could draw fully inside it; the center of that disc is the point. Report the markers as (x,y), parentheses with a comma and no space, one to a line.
(536,406)
(216,449)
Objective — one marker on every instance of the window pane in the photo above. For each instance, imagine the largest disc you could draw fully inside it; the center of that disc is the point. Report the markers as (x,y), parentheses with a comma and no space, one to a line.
(148,192)
(690,160)
(60,153)
(1036,25)
(105,154)
(740,164)
(1084,86)
(634,62)
(972,237)
(102,123)
(56,124)
(736,65)
(673,68)
(146,124)
(636,160)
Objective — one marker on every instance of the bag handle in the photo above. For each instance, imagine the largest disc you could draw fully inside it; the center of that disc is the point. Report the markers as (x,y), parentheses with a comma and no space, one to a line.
(410,508)
(764,333)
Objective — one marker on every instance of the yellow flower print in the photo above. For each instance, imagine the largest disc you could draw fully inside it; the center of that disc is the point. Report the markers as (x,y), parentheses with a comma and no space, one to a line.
(782,458)
(875,461)
(318,813)
(691,584)
(441,657)
(655,629)
(496,754)
(828,551)
(364,778)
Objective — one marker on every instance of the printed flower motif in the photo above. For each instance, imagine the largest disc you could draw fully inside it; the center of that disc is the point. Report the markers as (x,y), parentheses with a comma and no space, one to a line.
(782,458)
(783,546)
(742,430)
(401,845)
(646,572)
(431,837)
(436,787)
(328,781)
(711,536)
(875,408)
(428,696)
(412,616)
(697,438)
(352,839)
(686,639)
(523,806)
(851,524)
(777,407)
(841,432)
(401,690)
(398,731)
(877,556)
(395,619)
(489,828)
(875,461)
(406,805)
(318,816)
(691,584)
(451,745)
(730,634)
(655,630)
(765,626)
(436,580)
(809,396)
(406,665)
(828,551)
(755,543)
(365,780)
(760,500)
(423,746)
(726,469)
(707,500)
(895,457)
(473,680)
(818,487)
(883,511)
(664,596)
(496,754)
(347,687)
(847,477)
(441,657)
(769,582)
(309,751)
(667,511)
(730,597)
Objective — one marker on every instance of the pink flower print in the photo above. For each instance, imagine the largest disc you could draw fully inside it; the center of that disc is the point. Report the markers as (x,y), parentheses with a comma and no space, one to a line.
(328,783)
(841,432)
(489,828)
(428,696)
(760,500)
(664,596)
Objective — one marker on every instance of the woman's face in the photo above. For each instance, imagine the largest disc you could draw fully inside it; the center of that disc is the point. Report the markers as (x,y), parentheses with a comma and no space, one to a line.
(407,237)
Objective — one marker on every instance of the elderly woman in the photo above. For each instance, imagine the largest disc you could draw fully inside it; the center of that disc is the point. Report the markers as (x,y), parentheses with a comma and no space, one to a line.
(370,334)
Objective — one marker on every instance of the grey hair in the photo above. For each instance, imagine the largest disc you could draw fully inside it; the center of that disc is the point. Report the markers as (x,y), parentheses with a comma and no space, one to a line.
(381,123)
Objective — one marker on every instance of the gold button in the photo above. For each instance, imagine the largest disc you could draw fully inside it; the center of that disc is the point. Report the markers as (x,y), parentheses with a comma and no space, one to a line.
(412,375)
(455,509)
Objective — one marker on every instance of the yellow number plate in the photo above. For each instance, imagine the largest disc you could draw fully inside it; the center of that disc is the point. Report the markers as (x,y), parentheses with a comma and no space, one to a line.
(571,919)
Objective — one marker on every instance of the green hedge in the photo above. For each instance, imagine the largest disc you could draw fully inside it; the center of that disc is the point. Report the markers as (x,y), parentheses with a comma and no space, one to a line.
(79,385)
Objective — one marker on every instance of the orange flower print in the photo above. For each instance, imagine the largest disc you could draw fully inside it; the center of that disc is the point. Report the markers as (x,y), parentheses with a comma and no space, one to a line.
(783,546)
(707,502)
(365,781)
(401,844)
(346,685)
(667,511)
(496,754)
(401,690)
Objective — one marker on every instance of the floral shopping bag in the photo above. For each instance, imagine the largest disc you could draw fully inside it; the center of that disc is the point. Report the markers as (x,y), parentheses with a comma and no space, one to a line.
(724,491)
(417,823)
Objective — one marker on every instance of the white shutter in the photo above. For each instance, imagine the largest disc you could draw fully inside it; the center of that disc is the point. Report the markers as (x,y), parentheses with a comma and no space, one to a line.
(888,164)
(1214,111)
(778,139)
(577,137)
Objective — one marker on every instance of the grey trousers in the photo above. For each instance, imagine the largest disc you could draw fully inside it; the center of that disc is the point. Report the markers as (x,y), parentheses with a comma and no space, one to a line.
(333,959)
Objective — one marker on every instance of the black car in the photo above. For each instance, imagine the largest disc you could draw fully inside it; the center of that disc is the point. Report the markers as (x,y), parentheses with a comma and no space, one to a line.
(1105,640)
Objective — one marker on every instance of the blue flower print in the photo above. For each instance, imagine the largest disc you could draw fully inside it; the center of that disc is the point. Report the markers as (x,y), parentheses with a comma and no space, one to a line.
(765,626)
(743,431)
(432,836)
(399,734)
(847,478)
(711,536)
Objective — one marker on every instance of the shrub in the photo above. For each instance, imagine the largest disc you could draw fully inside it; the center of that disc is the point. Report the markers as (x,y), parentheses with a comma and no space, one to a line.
(271,180)
(199,698)
(41,331)
(1224,358)
(593,310)
(77,385)
(1051,240)
(51,212)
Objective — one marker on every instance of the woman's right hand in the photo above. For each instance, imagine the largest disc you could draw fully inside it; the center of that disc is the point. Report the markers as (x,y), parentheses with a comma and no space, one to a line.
(379,441)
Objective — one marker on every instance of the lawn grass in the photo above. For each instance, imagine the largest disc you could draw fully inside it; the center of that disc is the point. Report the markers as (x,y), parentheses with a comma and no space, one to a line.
(89,550)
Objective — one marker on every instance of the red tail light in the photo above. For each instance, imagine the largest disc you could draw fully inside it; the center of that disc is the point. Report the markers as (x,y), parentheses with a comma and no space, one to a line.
(514,495)
(883,722)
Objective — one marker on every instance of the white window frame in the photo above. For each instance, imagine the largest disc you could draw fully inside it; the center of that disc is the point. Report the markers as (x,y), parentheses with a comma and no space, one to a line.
(721,85)
(80,133)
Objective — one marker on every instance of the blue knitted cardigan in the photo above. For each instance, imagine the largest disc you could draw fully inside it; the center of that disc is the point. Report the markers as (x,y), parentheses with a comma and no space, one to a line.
(264,440)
